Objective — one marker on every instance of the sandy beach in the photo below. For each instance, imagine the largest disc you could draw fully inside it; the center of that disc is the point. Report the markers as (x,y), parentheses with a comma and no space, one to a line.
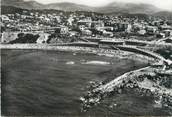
(98,51)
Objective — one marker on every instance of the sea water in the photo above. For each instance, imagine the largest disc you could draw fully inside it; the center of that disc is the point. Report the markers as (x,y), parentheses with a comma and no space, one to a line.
(41,83)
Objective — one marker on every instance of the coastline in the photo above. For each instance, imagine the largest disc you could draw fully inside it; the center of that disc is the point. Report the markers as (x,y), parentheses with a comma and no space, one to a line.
(107,87)
(93,50)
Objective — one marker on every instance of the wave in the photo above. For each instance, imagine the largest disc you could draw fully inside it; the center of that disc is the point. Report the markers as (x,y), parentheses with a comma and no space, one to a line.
(107,55)
(70,62)
(97,62)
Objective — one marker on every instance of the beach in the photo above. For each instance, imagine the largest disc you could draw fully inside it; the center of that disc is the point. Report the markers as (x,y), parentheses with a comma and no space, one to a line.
(98,51)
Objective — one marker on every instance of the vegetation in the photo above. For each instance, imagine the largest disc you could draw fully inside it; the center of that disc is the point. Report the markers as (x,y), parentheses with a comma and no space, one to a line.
(162,79)
(25,38)
(57,38)
(165,52)
(166,81)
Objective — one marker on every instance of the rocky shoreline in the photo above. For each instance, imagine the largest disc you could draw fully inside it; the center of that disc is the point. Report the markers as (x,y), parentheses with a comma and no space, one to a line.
(145,82)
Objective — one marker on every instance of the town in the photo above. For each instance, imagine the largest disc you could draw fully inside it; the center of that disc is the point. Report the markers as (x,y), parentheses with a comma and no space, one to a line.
(61,27)
(141,37)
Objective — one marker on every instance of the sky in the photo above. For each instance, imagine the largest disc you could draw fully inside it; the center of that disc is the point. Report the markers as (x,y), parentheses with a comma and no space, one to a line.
(163,4)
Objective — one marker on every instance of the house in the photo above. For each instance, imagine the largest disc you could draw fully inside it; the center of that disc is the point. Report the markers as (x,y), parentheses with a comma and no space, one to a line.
(46,19)
(4,18)
(90,24)
(119,26)
(142,32)
(57,19)
(58,30)
(156,23)
(137,27)
(73,33)
(95,24)
(107,28)
(70,21)
(82,27)
(151,30)
(61,30)
(86,23)
(167,32)
(87,32)
(107,34)
(9,36)
(160,35)
(129,28)
(166,27)
(43,37)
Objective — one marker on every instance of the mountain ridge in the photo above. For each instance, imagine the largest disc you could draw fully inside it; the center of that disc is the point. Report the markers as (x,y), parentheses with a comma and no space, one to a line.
(111,8)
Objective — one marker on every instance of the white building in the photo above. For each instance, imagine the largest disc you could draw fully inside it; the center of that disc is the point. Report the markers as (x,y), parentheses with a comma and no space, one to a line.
(4,18)
(87,32)
(43,37)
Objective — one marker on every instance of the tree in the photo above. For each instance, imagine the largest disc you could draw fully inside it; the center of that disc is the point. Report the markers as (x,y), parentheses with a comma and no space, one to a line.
(25,38)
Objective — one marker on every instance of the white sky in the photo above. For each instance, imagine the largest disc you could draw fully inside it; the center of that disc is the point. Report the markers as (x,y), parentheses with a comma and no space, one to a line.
(163,4)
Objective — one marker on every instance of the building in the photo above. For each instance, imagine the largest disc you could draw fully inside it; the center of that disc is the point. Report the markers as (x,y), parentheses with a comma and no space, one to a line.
(142,32)
(90,24)
(9,36)
(73,33)
(70,21)
(86,32)
(4,18)
(107,34)
(61,30)
(95,24)
(119,26)
(167,32)
(151,30)
(107,28)
(160,35)
(129,28)
(57,19)
(137,27)
(43,37)
(85,23)
(82,27)
(166,27)
(58,30)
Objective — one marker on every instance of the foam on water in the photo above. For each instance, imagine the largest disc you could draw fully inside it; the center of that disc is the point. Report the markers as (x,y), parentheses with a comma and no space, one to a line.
(97,62)
(70,62)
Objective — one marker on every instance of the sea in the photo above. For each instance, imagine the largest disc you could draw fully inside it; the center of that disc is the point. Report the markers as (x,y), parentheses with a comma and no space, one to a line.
(50,83)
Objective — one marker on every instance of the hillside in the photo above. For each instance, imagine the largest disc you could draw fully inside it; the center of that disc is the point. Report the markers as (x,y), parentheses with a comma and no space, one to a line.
(164,14)
(128,8)
(110,8)
(65,6)
(22,4)
(115,8)
(10,10)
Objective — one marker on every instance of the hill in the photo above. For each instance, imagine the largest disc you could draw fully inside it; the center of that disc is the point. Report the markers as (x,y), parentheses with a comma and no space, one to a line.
(22,4)
(66,6)
(128,8)
(110,8)
(164,14)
